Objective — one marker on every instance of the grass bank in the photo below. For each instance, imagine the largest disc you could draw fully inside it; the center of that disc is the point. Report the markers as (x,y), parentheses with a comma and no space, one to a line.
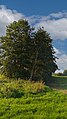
(29,100)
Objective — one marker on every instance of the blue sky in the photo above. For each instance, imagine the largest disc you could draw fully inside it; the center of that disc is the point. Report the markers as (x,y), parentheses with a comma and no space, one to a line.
(36,7)
(52,14)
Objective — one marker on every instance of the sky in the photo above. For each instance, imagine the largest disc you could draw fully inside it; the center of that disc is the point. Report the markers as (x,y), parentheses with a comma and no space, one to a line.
(52,15)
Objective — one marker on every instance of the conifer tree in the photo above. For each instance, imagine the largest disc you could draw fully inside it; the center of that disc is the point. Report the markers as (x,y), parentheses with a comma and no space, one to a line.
(15,50)
(26,54)
(44,63)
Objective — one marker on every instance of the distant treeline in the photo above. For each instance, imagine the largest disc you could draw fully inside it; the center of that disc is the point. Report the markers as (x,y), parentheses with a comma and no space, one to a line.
(62,74)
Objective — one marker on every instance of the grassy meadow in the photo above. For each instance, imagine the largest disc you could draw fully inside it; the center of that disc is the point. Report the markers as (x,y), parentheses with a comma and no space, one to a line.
(21,99)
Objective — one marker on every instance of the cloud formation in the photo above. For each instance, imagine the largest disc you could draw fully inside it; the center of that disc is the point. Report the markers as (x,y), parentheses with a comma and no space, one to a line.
(55,24)
(62,62)
(6,17)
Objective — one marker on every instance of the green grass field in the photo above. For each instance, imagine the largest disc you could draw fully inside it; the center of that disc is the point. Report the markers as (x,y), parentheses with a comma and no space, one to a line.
(26,100)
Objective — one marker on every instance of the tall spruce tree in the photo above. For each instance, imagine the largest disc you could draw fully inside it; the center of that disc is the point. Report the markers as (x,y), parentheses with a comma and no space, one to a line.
(16,50)
(44,63)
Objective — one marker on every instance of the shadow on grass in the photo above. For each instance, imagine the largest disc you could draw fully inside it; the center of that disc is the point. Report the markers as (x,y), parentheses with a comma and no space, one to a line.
(59,82)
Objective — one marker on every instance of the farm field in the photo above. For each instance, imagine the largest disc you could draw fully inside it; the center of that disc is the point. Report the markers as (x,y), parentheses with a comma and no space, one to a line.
(26,100)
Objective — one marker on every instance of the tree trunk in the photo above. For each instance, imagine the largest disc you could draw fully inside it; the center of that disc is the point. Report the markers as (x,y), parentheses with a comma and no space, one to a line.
(33,68)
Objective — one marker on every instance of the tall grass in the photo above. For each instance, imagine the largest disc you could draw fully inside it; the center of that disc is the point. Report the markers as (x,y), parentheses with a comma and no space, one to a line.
(18,88)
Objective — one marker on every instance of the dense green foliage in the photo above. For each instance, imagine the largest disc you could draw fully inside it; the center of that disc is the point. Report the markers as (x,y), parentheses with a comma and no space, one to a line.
(26,53)
(37,102)
(44,63)
(15,48)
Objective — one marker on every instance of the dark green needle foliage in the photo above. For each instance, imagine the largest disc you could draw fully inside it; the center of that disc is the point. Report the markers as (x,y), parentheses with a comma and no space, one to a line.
(15,50)
(25,53)
(44,63)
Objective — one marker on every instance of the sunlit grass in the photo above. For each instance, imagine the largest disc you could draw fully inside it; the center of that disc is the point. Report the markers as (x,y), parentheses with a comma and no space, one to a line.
(18,88)
(23,99)
(51,105)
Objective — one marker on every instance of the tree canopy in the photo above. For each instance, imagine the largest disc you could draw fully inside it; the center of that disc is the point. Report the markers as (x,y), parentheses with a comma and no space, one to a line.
(25,53)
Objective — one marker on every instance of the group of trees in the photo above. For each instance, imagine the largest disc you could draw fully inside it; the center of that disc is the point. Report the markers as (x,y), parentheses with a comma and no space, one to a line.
(62,74)
(26,53)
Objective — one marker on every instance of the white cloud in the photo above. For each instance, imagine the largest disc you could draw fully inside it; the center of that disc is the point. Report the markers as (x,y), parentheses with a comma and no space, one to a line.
(62,62)
(57,51)
(56,28)
(59,14)
(59,71)
(7,16)
(55,23)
